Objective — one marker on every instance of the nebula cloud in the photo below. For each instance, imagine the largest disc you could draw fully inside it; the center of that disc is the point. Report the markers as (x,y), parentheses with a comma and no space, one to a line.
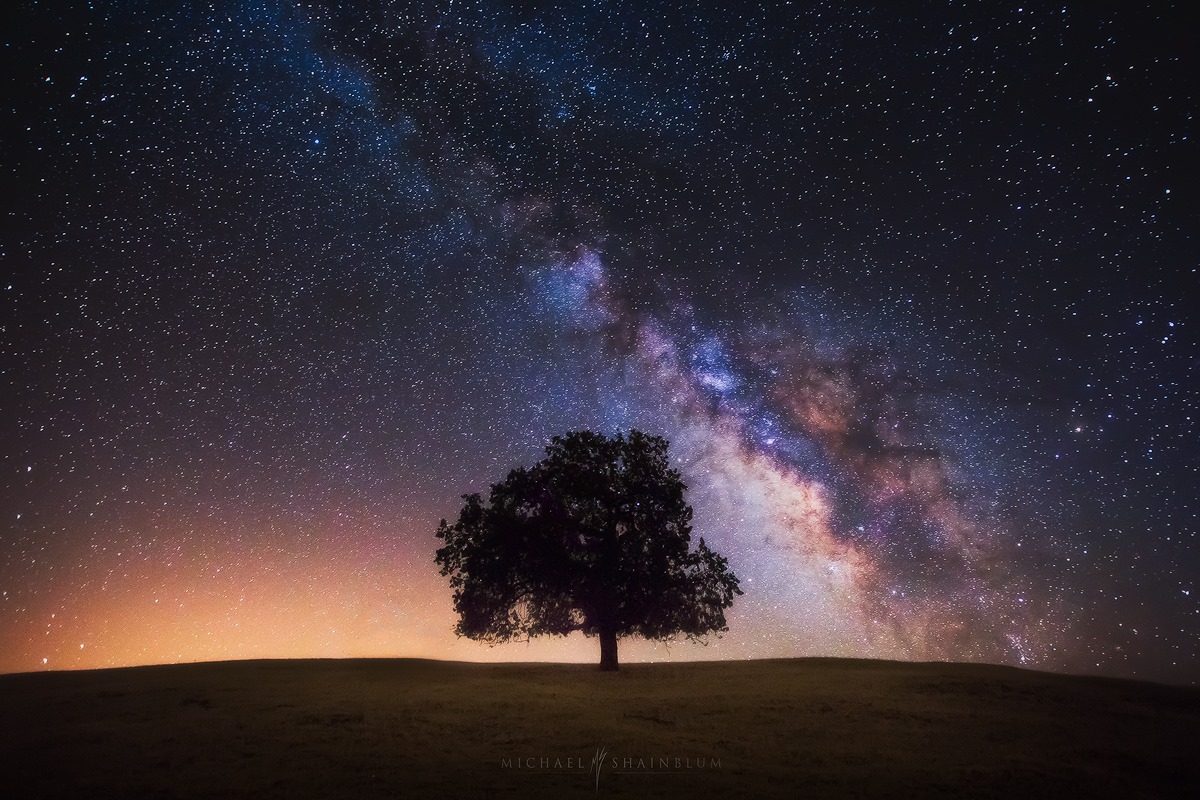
(818,466)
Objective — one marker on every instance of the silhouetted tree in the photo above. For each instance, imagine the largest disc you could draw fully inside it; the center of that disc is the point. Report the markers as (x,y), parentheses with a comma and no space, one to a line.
(595,538)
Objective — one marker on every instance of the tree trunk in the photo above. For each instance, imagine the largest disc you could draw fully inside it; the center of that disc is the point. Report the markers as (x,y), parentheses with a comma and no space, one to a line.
(608,651)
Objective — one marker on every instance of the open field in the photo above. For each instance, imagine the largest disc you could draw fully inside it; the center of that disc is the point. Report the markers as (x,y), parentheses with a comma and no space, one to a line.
(412,728)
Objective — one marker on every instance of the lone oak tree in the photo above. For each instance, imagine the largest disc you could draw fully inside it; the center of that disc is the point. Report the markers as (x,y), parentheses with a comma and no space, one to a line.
(594,538)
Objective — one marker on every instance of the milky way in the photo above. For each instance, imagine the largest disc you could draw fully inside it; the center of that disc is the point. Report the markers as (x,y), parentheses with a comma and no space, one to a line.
(909,288)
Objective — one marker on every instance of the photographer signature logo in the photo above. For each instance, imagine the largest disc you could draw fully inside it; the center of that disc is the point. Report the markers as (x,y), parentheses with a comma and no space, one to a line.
(602,761)
(598,764)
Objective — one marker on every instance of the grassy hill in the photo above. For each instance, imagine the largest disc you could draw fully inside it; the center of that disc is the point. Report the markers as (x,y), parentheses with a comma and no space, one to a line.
(412,728)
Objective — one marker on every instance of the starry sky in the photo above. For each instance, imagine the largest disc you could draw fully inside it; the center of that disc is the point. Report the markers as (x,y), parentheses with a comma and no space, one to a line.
(909,286)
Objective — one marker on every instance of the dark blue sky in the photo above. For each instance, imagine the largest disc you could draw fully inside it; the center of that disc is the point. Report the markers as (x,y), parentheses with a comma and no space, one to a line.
(909,286)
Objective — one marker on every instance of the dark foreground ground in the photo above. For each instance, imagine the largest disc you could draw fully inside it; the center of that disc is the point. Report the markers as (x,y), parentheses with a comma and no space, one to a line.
(406,728)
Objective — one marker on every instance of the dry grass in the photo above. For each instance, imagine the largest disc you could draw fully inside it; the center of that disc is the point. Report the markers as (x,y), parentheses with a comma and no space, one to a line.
(409,728)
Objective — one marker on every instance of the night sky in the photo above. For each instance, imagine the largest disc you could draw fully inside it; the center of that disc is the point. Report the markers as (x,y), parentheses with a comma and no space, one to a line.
(910,288)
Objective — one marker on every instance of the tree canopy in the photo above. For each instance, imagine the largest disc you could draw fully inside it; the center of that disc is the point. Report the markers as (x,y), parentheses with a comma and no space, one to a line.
(596,538)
